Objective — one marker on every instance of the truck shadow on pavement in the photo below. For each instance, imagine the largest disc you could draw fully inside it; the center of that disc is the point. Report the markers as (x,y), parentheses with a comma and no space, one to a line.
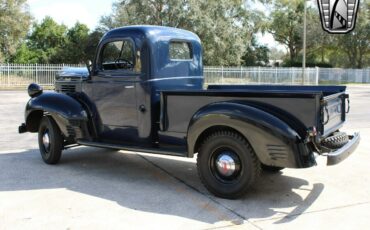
(156,184)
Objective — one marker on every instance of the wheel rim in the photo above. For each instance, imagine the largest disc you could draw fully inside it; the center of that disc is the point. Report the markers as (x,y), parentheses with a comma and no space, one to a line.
(46,140)
(225,165)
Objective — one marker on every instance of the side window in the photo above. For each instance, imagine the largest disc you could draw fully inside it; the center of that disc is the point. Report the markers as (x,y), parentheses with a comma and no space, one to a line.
(180,51)
(118,55)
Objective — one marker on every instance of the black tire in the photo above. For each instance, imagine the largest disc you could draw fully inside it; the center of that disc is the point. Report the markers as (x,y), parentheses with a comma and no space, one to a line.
(113,150)
(247,166)
(50,153)
(337,140)
(271,169)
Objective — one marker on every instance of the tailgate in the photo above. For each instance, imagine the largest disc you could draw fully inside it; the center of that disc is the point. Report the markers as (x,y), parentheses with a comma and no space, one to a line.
(333,109)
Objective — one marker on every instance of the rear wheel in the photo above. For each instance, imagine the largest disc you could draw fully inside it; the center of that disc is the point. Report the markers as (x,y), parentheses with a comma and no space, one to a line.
(50,140)
(271,169)
(227,165)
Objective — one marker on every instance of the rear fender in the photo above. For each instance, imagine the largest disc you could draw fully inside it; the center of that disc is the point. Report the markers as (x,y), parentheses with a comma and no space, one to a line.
(274,141)
(65,110)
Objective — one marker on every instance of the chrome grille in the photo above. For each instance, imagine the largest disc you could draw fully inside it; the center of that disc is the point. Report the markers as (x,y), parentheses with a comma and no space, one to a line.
(68,88)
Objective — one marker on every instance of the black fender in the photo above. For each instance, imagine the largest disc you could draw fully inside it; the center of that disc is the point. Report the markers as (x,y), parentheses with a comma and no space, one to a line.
(273,140)
(68,113)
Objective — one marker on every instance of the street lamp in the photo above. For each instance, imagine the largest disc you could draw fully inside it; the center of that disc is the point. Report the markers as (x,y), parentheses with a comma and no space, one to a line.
(304,43)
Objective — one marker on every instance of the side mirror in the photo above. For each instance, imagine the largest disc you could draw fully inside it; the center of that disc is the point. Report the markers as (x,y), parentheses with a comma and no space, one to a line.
(89,67)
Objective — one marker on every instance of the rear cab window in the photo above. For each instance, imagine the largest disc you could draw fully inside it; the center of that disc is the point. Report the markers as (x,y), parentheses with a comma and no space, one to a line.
(180,51)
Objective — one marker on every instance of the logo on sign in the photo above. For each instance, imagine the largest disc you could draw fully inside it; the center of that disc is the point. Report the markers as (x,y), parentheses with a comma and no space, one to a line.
(338,16)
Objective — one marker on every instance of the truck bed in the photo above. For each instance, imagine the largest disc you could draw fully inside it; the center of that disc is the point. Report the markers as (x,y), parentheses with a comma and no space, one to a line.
(300,106)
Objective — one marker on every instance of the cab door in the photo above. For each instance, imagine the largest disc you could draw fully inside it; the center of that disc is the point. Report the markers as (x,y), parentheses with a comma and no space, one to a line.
(113,91)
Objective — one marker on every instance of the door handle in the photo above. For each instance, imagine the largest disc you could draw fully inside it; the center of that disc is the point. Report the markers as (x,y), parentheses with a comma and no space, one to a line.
(129,87)
(142,108)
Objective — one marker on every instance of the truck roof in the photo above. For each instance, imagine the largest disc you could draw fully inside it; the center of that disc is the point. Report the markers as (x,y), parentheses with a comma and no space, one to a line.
(153,33)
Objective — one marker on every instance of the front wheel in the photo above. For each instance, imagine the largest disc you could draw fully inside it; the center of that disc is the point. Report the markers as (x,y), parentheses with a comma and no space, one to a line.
(227,165)
(50,140)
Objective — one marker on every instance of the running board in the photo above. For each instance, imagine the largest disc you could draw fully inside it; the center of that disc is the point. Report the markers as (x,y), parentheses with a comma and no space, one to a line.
(134,149)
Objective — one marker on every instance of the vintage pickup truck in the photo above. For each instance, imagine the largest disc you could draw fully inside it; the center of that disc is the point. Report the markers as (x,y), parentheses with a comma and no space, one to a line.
(144,93)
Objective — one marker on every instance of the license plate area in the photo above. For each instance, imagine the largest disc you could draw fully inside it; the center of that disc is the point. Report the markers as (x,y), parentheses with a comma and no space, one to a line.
(333,112)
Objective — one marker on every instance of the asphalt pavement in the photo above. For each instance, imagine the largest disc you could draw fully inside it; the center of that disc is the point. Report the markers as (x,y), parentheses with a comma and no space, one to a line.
(96,188)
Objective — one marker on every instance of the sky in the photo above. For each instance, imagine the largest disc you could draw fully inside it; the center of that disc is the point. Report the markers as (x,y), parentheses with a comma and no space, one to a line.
(89,12)
(69,12)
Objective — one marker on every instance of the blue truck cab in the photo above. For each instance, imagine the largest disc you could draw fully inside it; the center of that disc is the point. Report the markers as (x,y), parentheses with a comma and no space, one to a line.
(144,93)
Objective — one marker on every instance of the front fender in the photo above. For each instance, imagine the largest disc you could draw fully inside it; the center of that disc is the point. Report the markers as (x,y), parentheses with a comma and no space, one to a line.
(274,141)
(65,110)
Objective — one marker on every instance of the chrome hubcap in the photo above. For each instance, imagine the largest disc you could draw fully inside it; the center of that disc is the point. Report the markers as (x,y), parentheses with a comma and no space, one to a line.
(46,140)
(225,164)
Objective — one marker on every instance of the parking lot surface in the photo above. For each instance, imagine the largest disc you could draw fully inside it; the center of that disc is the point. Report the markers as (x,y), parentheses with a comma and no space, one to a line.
(96,188)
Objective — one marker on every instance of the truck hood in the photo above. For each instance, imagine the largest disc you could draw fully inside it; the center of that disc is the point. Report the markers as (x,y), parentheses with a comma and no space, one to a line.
(72,74)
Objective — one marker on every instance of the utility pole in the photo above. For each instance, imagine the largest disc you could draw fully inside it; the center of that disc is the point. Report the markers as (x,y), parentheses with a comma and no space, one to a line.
(304,43)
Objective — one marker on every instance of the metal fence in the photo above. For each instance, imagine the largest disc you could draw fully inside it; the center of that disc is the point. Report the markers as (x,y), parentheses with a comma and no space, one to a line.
(19,75)
(259,75)
(343,76)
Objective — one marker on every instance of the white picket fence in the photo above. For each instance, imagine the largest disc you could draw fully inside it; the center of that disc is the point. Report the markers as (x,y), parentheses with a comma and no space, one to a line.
(260,75)
(21,75)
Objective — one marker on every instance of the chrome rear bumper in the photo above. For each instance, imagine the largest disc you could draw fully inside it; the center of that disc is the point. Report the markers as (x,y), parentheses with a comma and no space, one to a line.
(344,152)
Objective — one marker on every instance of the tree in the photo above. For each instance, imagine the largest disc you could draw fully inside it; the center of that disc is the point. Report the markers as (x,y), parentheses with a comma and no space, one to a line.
(47,41)
(52,43)
(356,44)
(15,21)
(276,54)
(319,43)
(256,54)
(74,51)
(224,26)
(349,50)
(92,43)
(286,25)
(25,55)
